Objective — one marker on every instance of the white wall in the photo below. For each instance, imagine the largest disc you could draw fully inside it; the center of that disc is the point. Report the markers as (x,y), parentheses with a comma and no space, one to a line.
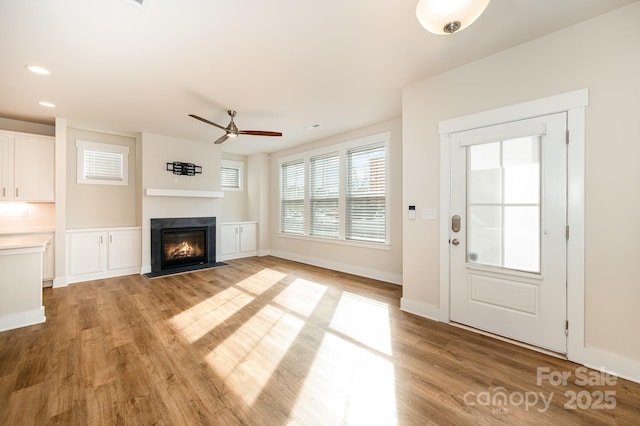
(27,127)
(258,191)
(376,263)
(157,150)
(100,206)
(602,55)
(235,203)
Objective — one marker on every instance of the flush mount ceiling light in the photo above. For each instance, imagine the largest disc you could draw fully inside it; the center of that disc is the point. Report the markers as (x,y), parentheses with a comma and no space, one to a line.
(47,104)
(449,16)
(38,70)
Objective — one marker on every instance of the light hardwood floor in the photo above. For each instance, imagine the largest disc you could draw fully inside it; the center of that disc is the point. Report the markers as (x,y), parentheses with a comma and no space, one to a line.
(266,341)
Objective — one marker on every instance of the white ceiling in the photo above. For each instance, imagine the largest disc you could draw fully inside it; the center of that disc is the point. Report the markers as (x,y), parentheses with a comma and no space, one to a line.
(282,64)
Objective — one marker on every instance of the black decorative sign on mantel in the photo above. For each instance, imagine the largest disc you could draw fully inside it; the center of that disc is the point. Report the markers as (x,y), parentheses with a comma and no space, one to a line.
(185,169)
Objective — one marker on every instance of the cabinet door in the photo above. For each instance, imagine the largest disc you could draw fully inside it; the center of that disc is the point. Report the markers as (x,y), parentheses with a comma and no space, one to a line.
(87,252)
(124,249)
(247,237)
(33,169)
(6,168)
(228,239)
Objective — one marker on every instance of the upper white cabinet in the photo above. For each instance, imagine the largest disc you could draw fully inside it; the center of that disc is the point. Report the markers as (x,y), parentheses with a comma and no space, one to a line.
(237,239)
(27,164)
(102,253)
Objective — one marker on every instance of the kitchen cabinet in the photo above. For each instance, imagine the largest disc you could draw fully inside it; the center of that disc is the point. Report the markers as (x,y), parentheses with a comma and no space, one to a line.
(27,167)
(48,256)
(238,239)
(21,283)
(102,253)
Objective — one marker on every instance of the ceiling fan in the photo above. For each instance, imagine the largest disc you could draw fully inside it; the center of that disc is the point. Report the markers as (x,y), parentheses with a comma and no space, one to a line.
(232,130)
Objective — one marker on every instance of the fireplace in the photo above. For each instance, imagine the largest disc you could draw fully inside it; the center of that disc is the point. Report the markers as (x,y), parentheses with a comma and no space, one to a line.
(182,244)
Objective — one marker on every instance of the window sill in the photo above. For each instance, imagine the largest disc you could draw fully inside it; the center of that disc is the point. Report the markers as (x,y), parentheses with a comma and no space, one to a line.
(375,246)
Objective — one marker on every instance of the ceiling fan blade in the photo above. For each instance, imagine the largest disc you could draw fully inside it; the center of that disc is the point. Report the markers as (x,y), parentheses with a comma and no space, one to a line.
(259,133)
(204,120)
(222,139)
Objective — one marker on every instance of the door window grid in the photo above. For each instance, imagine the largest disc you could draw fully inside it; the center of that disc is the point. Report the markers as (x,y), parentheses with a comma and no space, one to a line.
(503,204)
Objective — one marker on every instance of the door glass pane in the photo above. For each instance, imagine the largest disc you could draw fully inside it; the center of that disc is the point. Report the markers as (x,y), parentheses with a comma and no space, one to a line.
(503,204)
(521,162)
(484,235)
(485,174)
(521,238)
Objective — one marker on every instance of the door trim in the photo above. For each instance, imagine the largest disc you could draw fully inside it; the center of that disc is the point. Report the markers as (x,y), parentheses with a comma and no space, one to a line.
(574,103)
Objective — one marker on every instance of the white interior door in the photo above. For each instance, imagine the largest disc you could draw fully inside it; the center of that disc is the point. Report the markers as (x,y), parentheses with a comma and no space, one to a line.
(508,230)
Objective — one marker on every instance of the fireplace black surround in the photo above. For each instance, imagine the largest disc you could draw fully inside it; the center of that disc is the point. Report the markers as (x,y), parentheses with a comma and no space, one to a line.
(182,244)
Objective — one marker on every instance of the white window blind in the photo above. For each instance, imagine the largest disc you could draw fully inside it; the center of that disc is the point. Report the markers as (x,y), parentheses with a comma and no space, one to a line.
(103,165)
(292,202)
(366,194)
(324,175)
(230,178)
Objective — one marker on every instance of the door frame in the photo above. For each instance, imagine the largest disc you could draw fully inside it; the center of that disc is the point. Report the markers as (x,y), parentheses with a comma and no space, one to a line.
(574,104)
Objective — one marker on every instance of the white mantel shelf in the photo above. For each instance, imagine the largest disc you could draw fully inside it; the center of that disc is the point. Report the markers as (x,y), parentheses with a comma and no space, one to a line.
(160,192)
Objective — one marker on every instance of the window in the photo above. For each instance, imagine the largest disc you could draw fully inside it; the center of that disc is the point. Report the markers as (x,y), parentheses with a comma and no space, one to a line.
(231,175)
(366,194)
(292,198)
(344,195)
(324,195)
(102,164)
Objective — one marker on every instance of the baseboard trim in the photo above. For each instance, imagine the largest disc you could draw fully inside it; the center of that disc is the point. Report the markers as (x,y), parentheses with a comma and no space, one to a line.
(618,365)
(222,258)
(22,319)
(146,269)
(60,282)
(419,308)
(104,274)
(342,267)
(262,253)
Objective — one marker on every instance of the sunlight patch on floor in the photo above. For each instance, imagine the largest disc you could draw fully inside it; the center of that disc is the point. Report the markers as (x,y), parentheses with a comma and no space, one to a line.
(353,383)
(364,320)
(200,319)
(301,296)
(247,359)
(261,281)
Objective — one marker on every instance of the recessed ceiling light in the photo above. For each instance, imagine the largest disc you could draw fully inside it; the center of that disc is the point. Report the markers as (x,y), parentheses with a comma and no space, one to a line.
(312,126)
(38,70)
(47,104)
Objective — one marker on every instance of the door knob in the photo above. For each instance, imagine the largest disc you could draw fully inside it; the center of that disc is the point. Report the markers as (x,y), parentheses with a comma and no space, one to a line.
(455,242)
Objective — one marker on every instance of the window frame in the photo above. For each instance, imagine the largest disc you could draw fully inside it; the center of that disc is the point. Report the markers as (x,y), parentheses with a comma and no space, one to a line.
(83,146)
(382,139)
(231,164)
(293,201)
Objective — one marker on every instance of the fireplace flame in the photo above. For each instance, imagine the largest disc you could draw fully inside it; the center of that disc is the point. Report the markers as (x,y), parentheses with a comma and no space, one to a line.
(184,249)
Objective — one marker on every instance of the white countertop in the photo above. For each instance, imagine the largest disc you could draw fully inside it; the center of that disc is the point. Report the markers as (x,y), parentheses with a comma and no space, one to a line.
(23,242)
(31,230)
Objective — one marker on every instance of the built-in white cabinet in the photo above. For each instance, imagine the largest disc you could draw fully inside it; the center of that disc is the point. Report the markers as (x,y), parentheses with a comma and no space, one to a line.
(26,167)
(102,253)
(238,239)
(48,256)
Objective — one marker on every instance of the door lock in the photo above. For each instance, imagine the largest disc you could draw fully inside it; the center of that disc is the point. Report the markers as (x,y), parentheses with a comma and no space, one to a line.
(455,223)
(455,242)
